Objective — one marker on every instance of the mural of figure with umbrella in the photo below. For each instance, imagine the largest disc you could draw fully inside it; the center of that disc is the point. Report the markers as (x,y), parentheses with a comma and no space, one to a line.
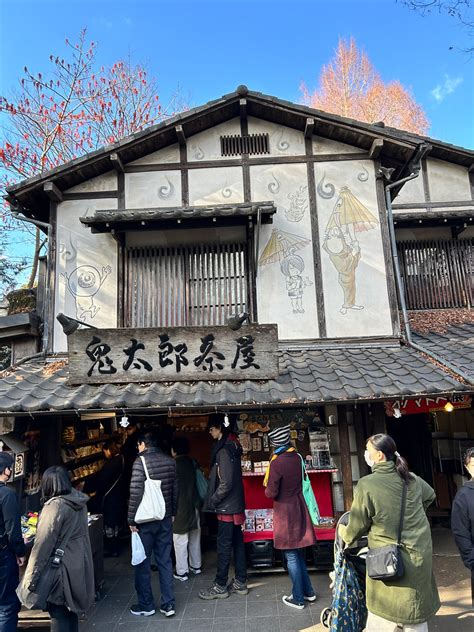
(281,247)
(348,218)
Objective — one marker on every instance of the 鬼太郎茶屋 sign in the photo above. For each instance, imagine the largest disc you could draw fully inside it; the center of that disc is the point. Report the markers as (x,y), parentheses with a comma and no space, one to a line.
(167,354)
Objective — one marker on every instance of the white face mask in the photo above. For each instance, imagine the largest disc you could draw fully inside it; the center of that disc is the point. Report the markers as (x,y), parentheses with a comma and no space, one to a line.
(368,460)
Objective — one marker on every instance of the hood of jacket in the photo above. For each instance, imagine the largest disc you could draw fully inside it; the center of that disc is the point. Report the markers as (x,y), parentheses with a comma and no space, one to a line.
(230,443)
(75,499)
(469,484)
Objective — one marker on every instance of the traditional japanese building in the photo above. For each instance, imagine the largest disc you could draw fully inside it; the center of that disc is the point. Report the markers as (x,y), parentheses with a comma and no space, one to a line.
(327,232)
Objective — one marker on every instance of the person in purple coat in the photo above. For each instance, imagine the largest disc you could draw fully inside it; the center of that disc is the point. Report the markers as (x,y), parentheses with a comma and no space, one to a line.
(292,526)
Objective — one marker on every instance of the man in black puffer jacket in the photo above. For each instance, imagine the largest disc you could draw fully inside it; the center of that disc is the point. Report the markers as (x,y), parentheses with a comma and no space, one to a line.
(225,498)
(462,518)
(156,536)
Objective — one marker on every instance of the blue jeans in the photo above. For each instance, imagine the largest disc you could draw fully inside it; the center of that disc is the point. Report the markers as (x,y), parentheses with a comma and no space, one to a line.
(9,603)
(157,538)
(298,573)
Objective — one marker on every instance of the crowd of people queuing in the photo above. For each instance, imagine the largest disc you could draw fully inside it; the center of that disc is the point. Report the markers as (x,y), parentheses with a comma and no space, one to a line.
(59,576)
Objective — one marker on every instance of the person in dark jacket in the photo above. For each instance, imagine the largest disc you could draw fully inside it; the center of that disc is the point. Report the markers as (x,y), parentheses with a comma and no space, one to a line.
(462,518)
(12,548)
(73,592)
(186,525)
(157,535)
(225,498)
(108,495)
(292,526)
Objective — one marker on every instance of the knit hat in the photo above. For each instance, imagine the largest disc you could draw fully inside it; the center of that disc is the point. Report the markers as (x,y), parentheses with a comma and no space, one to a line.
(6,460)
(280,436)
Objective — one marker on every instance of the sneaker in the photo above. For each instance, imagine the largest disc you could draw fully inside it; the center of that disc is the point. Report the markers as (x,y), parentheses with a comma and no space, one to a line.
(238,587)
(195,571)
(142,612)
(214,592)
(289,601)
(310,598)
(167,610)
(182,578)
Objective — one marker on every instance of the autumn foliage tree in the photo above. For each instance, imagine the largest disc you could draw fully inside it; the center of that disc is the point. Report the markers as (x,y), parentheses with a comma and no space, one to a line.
(74,108)
(350,86)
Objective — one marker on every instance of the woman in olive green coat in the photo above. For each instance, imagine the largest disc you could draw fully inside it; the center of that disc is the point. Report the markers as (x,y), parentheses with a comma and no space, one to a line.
(409,600)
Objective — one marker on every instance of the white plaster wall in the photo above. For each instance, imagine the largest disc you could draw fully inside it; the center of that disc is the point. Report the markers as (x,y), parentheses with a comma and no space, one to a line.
(160,157)
(448,182)
(153,189)
(86,269)
(284,141)
(207,145)
(412,191)
(370,275)
(105,182)
(326,146)
(221,235)
(287,185)
(223,185)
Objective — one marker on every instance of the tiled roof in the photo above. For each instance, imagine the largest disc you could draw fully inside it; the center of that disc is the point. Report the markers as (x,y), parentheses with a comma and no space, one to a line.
(104,217)
(306,375)
(456,344)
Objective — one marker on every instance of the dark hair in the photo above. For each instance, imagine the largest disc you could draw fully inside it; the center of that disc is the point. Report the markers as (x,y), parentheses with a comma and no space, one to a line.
(150,439)
(468,455)
(387,445)
(217,420)
(111,446)
(55,482)
(180,445)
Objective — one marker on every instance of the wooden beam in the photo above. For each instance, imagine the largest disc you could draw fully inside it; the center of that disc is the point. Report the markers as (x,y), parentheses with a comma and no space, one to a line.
(243,109)
(345,451)
(471,168)
(376,149)
(180,135)
(117,163)
(309,127)
(52,191)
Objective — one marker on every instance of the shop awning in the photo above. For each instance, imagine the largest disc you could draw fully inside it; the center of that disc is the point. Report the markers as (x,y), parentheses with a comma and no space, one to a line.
(307,376)
(159,218)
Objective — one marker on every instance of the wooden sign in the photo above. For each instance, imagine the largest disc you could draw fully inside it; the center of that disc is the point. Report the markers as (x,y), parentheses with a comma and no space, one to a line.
(98,356)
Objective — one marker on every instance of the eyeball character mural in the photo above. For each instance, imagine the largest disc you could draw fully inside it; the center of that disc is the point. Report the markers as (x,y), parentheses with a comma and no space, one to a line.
(83,283)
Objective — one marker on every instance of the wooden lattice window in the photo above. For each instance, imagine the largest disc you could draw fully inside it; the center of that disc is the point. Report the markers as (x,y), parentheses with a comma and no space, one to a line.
(437,274)
(184,285)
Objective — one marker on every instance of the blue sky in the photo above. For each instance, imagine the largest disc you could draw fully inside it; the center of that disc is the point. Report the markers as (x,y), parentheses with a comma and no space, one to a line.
(209,47)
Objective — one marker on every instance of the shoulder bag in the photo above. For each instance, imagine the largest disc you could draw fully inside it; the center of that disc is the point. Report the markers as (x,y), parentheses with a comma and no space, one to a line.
(385,563)
(309,495)
(35,595)
(202,483)
(152,506)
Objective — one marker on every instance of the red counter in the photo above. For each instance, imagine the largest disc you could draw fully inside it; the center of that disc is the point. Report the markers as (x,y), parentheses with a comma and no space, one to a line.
(255,499)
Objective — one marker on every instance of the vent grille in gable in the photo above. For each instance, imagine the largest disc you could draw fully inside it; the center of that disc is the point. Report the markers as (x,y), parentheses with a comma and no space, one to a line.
(236,145)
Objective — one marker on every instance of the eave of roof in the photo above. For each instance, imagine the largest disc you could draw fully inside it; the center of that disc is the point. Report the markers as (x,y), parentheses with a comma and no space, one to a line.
(306,376)
(107,220)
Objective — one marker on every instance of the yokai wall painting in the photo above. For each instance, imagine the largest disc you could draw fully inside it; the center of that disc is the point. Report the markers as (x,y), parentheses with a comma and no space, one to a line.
(352,258)
(86,270)
(285,275)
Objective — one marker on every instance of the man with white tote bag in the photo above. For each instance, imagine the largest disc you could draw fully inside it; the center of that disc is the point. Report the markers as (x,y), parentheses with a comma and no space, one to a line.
(152,506)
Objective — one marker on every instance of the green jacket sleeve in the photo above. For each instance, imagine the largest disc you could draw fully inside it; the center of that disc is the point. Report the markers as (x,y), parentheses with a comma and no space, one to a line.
(427,493)
(360,519)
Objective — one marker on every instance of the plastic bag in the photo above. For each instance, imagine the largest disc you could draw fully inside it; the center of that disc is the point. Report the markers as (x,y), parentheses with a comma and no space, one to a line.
(138,550)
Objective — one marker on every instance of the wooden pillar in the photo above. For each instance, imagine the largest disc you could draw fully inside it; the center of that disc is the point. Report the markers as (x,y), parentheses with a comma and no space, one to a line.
(345,450)
(361,436)
(378,417)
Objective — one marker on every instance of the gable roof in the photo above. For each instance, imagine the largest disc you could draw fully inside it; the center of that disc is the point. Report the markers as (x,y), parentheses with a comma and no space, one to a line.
(398,150)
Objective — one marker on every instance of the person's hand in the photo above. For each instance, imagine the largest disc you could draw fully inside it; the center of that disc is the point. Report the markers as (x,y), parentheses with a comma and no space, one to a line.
(20,560)
(133,529)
